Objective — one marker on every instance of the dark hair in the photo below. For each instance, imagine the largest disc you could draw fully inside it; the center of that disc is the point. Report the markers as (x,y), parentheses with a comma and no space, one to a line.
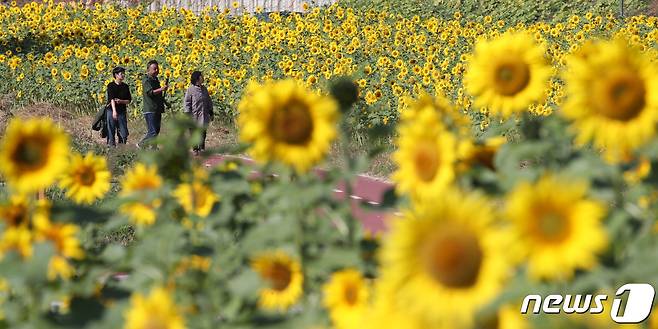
(116,71)
(196,75)
(151,62)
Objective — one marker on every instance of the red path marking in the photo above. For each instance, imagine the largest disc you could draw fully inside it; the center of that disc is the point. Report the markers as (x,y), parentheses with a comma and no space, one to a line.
(364,188)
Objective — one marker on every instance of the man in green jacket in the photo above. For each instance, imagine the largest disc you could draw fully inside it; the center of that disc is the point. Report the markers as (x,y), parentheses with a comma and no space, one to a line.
(154,101)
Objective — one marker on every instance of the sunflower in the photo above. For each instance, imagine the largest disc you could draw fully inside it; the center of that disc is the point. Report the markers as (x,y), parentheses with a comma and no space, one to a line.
(18,224)
(507,74)
(141,213)
(482,154)
(560,228)
(507,317)
(445,251)
(193,262)
(16,213)
(425,156)
(33,153)
(346,298)
(384,313)
(86,178)
(612,98)
(285,279)
(639,172)
(448,115)
(58,266)
(19,239)
(139,180)
(284,121)
(62,236)
(196,198)
(155,311)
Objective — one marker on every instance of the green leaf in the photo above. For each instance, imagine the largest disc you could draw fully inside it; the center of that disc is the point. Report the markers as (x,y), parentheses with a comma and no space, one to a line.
(519,162)
(79,215)
(272,232)
(114,253)
(334,259)
(245,285)
(32,270)
(82,311)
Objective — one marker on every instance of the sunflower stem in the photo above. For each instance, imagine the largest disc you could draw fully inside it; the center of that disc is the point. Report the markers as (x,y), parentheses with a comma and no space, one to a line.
(299,238)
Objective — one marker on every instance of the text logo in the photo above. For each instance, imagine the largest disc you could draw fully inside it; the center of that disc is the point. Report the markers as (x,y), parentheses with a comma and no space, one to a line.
(637,308)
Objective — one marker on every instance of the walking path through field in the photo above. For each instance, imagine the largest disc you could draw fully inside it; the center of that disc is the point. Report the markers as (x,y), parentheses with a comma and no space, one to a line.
(364,189)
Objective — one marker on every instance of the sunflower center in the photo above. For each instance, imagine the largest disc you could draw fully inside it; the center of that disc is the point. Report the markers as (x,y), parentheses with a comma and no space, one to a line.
(292,124)
(280,277)
(87,177)
(350,294)
(511,77)
(552,227)
(490,322)
(427,161)
(16,216)
(31,154)
(453,258)
(621,97)
(485,157)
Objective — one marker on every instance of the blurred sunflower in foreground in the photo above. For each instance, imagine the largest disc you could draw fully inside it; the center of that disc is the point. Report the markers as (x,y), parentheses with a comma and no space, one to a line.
(196,198)
(16,214)
(154,311)
(508,74)
(612,97)
(560,228)
(284,278)
(446,251)
(86,178)
(137,182)
(286,122)
(63,236)
(33,153)
(346,297)
(479,154)
(426,155)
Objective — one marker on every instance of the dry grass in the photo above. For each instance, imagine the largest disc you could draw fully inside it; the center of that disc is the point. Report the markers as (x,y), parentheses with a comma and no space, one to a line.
(653,8)
(381,166)
(5,112)
(76,126)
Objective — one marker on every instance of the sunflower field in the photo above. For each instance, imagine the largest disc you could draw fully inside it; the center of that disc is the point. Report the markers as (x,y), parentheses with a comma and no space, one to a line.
(523,156)
(64,53)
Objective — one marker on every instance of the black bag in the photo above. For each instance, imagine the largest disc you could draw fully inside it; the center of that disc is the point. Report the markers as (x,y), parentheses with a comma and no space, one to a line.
(100,122)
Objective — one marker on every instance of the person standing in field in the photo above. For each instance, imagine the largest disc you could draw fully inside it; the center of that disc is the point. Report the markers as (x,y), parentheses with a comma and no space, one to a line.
(198,105)
(118,96)
(153,101)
